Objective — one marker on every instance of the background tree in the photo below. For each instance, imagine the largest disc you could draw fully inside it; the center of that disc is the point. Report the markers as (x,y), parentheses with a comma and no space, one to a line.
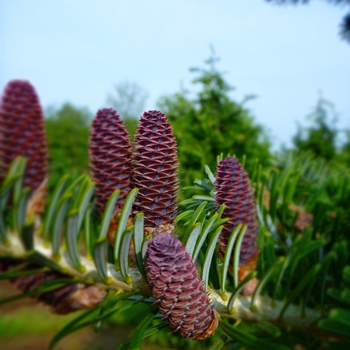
(212,123)
(129,100)
(344,26)
(67,130)
(319,138)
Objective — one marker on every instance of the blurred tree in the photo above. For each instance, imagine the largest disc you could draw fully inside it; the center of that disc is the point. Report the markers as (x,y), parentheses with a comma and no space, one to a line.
(344,26)
(67,133)
(129,100)
(344,155)
(320,138)
(212,123)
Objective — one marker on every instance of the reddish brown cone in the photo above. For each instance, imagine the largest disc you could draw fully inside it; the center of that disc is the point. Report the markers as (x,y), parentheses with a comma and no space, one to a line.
(178,289)
(232,188)
(110,157)
(22,132)
(155,169)
(70,298)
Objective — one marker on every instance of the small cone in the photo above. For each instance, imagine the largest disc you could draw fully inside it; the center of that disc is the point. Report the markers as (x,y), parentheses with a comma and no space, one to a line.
(178,289)
(232,188)
(155,170)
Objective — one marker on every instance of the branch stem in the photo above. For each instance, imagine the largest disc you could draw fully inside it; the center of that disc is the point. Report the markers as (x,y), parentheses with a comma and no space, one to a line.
(263,309)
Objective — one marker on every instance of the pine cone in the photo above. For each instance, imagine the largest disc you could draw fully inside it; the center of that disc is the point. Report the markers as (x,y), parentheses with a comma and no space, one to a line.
(22,132)
(69,298)
(177,287)
(232,188)
(155,169)
(110,157)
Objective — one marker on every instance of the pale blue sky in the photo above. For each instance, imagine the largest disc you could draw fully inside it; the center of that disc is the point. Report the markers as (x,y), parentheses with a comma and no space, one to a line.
(76,51)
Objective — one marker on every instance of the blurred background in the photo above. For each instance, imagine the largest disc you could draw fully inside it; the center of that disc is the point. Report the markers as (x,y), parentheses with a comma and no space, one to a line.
(253,77)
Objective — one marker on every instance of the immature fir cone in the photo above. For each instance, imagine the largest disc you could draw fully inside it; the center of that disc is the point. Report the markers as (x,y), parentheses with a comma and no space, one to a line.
(71,297)
(22,132)
(232,188)
(110,157)
(155,169)
(178,289)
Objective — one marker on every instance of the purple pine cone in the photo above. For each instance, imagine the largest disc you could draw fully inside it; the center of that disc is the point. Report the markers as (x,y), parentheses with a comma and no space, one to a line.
(110,157)
(232,188)
(155,169)
(177,287)
(22,132)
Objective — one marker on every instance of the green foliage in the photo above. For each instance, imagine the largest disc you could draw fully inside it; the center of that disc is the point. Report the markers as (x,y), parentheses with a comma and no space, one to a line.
(67,131)
(212,123)
(303,209)
(344,155)
(322,137)
(301,267)
(312,238)
(131,125)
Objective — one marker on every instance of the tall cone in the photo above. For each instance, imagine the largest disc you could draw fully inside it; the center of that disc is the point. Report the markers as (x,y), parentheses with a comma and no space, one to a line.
(22,132)
(178,289)
(232,188)
(110,157)
(155,170)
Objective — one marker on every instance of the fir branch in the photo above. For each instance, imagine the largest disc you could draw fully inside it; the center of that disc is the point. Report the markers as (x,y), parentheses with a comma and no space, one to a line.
(15,249)
(242,309)
(265,309)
